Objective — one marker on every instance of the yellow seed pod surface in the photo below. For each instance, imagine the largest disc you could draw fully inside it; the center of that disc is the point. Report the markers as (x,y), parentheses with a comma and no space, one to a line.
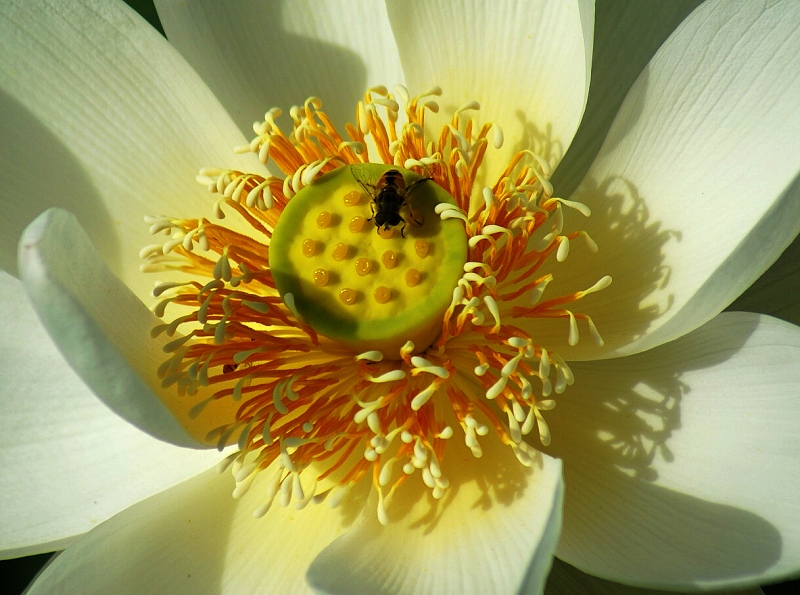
(364,303)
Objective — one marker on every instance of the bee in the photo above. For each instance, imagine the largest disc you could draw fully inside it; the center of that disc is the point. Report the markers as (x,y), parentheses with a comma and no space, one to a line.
(390,196)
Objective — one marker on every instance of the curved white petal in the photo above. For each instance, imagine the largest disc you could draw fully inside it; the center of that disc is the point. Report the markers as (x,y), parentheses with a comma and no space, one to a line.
(98,324)
(258,55)
(526,63)
(775,292)
(494,532)
(67,462)
(681,462)
(568,580)
(696,189)
(626,35)
(195,538)
(101,116)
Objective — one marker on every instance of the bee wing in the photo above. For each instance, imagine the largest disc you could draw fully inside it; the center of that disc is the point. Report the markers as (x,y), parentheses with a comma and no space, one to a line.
(417,178)
(415,184)
(365,176)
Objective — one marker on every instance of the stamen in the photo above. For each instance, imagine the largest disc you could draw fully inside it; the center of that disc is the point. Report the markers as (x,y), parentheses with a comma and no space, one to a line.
(498,137)
(373,356)
(312,400)
(563,248)
(392,376)
(599,286)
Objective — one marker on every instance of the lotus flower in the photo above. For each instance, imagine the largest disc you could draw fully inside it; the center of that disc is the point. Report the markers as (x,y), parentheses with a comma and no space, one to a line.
(667,460)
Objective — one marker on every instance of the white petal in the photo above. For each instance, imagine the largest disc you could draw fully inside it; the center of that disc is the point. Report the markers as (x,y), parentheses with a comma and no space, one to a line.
(195,538)
(258,55)
(103,117)
(626,35)
(681,462)
(696,190)
(492,533)
(775,292)
(67,462)
(526,63)
(568,580)
(98,324)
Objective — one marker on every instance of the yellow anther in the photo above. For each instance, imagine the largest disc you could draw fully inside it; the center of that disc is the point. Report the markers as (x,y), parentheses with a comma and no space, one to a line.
(372,356)
(422,248)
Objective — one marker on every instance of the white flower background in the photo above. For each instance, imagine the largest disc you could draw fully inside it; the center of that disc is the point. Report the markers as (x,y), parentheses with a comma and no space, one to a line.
(612,59)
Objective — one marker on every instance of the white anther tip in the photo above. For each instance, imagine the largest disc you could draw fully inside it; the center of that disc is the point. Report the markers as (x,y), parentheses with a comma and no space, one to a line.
(373,356)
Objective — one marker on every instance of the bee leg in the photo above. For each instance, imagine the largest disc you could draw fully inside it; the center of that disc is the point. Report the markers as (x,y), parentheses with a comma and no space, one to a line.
(412,214)
(372,208)
(402,229)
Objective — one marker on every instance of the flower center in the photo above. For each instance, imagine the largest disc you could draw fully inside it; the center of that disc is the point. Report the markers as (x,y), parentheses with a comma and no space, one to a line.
(354,318)
(363,257)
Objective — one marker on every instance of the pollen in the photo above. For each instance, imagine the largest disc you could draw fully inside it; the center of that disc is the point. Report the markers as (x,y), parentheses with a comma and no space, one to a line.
(349,320)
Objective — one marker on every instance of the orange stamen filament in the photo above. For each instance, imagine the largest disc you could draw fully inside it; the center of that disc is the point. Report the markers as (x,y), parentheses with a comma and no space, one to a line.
(322,418)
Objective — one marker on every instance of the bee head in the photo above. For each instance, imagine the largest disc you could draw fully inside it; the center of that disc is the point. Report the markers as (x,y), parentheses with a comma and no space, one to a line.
(387,219)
